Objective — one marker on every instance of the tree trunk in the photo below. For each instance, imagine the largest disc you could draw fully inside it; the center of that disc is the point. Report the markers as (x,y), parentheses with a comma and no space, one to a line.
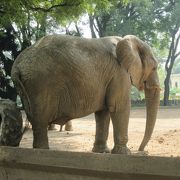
(101,24)
(173,54)
(166,89)
(91,25)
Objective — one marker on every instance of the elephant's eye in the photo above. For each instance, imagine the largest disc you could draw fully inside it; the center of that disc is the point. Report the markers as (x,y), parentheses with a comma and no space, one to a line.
(154,68)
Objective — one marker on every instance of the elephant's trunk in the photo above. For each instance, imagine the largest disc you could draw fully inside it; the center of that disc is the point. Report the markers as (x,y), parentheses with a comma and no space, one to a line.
(152,102)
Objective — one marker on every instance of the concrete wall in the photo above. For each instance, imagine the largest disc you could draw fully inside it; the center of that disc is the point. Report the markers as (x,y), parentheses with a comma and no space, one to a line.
(31,164)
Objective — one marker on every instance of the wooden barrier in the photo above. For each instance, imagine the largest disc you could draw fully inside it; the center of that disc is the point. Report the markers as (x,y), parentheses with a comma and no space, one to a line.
(37,164)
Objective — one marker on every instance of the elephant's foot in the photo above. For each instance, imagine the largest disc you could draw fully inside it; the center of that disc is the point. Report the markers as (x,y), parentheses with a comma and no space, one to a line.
(100,149)
(40,146)
(52,127)
(68,128)
(118,149)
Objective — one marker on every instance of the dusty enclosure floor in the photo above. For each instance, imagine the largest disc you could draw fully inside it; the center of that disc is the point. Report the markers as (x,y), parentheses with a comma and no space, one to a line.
(164,142)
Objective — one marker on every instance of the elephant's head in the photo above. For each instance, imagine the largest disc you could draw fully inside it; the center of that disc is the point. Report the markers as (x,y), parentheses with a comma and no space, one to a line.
(10,123)
(137,58)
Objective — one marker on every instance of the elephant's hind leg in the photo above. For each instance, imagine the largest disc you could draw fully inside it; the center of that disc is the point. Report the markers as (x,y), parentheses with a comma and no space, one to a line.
(52,127)
(102,131)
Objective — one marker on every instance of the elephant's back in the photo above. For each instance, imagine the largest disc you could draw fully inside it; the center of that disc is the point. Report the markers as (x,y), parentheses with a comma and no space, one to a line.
(54,49)
(65,57)
(62,49)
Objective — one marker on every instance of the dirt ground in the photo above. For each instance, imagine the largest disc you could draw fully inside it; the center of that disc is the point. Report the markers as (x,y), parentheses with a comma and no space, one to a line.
(164,142)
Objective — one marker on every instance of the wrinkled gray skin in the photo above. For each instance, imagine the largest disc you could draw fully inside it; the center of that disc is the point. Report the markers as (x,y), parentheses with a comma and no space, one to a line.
(60,78)
(10,123)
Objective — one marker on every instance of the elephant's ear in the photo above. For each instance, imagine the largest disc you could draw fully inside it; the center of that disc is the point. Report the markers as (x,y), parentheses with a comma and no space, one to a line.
(136,57)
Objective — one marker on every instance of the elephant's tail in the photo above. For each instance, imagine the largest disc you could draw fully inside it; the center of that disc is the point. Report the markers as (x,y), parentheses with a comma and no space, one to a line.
(16,77)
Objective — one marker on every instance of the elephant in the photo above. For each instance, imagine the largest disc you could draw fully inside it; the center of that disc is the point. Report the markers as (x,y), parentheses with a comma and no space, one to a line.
(62,77)
(11,123)
(68,127)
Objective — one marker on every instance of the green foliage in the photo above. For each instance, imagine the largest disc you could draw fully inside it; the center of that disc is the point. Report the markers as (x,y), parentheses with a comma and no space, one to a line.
(32,19)
(173,92)
(152,21)
(136,94)
(161,74)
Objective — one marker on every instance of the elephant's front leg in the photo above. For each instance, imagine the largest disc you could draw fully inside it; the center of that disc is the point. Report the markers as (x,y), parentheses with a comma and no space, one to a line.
(120,120)
(40,138)
(102,131)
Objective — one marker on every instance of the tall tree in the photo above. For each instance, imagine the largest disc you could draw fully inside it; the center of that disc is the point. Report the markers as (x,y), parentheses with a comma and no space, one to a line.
(172,24)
